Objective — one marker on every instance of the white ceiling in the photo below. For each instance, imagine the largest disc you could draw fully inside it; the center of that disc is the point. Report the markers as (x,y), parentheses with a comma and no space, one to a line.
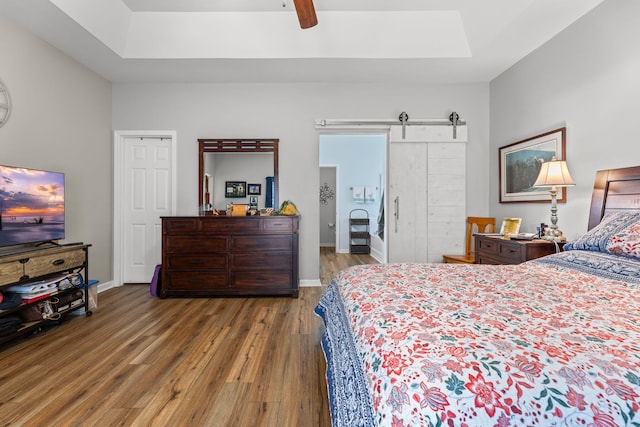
(243,41)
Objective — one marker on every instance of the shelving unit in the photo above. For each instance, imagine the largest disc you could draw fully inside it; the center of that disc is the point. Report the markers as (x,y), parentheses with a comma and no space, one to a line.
(31,265)
(359,236)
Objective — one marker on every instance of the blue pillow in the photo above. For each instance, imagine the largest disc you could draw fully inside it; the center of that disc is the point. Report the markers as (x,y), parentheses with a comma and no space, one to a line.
(599,237)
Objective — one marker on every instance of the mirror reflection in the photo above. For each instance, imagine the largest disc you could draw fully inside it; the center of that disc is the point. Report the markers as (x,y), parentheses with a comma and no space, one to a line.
(238,172)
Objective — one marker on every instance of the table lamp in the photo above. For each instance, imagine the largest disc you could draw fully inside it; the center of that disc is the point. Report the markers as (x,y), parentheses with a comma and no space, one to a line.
(554,174)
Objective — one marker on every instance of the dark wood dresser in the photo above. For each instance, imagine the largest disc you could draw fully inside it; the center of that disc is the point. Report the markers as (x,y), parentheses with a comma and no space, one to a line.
(229,256)
(492,249)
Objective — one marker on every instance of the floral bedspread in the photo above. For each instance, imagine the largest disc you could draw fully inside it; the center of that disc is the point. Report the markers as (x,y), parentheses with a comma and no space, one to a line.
(535,344)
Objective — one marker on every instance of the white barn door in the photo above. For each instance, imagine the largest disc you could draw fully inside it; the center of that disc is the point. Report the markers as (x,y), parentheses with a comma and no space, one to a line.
(407,200)
(426,188)
(146,184)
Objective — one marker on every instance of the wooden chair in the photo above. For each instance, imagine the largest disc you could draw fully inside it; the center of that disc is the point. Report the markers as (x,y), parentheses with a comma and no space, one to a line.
(475,224)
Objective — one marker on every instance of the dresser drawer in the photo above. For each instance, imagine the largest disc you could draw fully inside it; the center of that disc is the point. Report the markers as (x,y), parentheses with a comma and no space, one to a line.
(262,243)
(196,281)
(231,225)
(10,272)
(482,258)
(262,260)
(197,262)
(488,247)
(179,225)
(261,279)
(278,224)
(39,266)
(195,243)
(509,252)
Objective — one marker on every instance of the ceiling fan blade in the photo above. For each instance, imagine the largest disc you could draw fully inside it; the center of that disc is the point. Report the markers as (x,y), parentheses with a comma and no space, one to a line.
(306,13)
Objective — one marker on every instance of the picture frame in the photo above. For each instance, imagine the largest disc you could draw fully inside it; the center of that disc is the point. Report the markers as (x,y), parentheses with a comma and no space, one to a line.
(255,189)
(235,189)
(253,200)
(510,226)
(520,163)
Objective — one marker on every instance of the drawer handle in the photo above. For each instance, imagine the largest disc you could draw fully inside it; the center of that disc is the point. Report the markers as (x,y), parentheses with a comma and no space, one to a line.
(197,262)
(58,262)
(512,251)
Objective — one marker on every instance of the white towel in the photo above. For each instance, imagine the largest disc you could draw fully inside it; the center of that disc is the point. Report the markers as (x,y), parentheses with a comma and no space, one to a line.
(357,193)
(369,194)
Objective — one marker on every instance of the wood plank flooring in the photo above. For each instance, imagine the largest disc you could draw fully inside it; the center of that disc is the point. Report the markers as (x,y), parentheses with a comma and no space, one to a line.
(143,361)
(332,262)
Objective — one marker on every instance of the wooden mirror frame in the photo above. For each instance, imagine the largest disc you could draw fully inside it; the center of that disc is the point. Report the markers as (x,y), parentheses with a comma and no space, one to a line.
(211,145)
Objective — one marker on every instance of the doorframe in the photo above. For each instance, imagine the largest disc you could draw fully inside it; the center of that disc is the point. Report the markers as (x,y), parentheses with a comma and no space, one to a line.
(358,128)
(119,138)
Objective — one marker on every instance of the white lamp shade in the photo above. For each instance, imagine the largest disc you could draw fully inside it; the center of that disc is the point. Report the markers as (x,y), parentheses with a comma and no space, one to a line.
(554,173)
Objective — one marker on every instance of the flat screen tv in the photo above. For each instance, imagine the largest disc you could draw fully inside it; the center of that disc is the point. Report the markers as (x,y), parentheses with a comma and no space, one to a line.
(31,206)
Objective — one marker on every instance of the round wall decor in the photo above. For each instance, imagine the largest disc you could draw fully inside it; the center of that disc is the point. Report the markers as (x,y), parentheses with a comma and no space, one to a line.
(5,104)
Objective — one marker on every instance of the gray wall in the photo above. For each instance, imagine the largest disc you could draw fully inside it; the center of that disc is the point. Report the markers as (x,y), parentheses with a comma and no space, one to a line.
(288,112)
(61,121)
(586,79)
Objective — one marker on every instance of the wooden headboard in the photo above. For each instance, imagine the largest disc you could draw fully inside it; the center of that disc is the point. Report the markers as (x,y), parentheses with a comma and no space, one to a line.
(614,190)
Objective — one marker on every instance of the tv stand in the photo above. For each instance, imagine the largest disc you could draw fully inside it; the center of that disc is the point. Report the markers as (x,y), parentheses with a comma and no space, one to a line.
(22,267)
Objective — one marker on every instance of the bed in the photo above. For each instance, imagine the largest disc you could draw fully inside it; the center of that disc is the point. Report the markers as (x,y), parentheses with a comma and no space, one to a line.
(550,342)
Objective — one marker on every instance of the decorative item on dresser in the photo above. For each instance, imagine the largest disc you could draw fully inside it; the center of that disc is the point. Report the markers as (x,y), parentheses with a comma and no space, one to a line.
(229,255)
(495,249)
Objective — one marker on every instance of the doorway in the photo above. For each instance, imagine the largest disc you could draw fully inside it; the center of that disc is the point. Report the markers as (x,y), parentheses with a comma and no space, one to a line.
(360,162)
(328,206)
(144,191)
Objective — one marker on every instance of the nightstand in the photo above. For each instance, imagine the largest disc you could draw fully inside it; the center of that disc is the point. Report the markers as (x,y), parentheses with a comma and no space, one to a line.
(492,249)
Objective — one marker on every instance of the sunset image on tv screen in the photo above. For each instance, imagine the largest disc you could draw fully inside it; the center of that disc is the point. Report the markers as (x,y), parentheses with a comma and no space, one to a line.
(31,205)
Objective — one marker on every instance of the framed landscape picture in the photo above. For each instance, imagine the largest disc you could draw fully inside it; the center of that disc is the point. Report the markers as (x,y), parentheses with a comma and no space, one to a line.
(520,164)
(255,189)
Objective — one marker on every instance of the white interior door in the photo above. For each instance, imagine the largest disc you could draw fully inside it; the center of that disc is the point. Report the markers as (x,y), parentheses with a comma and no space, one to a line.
(147,195)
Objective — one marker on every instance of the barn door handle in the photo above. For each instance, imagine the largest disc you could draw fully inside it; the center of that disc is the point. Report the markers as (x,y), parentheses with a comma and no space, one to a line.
(396,212)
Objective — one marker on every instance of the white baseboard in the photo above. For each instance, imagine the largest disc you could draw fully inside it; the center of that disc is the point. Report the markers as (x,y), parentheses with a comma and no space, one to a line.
(106,285)
(310,283)
(377,255)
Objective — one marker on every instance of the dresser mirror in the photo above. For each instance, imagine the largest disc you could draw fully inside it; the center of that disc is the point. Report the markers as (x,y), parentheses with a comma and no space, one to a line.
(242,162)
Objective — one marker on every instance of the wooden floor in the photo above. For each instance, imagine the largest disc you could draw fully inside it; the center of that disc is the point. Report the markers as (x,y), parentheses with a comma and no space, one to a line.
(332,262)
(142,361)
